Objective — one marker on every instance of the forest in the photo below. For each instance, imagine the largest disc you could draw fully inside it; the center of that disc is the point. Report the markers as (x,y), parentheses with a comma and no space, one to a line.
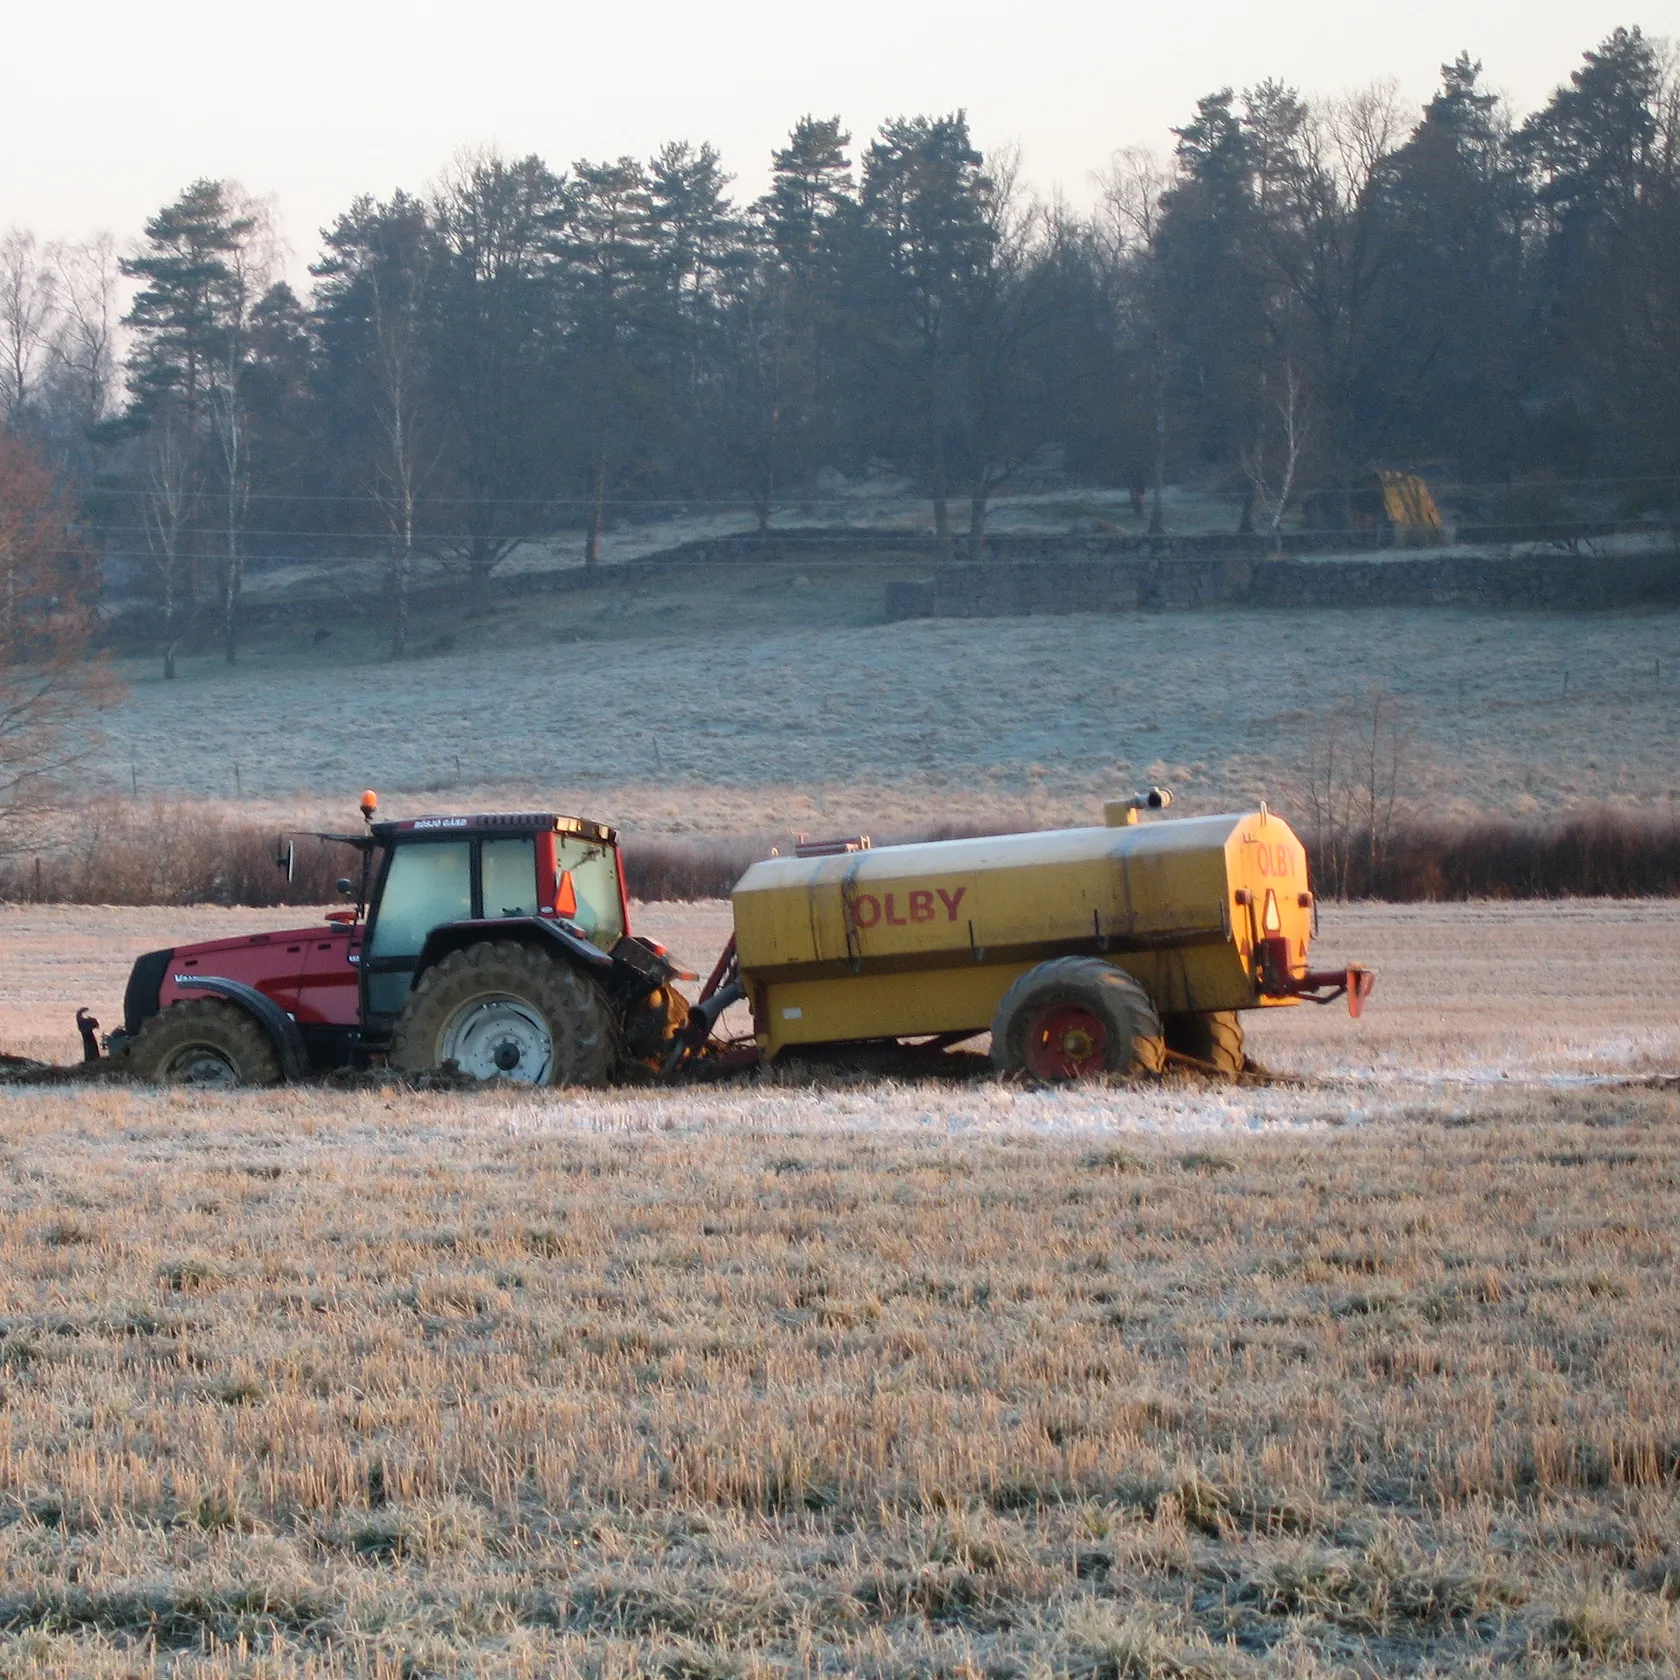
(1301,291)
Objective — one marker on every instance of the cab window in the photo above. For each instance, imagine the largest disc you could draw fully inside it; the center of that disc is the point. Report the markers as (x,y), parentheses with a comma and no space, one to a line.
(426,884)
(510,877)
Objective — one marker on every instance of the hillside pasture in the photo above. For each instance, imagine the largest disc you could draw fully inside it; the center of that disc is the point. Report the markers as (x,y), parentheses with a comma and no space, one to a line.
(731,704)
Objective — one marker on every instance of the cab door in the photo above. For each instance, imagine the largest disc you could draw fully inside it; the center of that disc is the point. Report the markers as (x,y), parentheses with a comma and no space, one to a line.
(425,883)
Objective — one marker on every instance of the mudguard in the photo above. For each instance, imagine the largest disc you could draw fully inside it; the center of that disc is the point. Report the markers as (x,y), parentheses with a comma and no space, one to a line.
(280,1027)
(451,936)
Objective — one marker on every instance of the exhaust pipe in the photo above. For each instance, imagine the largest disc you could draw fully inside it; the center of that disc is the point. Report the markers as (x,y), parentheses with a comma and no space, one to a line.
(1123,813)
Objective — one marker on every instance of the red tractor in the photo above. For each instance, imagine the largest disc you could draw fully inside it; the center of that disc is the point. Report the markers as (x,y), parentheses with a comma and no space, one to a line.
(496,946)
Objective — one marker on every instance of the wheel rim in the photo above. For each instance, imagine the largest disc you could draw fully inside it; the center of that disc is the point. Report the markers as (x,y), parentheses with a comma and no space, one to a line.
(499,1038)
(201,1064)
(1066,1042)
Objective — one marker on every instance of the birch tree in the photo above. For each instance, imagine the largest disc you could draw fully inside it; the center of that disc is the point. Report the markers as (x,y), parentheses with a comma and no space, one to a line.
(28,310)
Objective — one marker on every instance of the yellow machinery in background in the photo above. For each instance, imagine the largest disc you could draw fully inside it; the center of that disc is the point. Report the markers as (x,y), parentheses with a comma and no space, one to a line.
(1411,507)
(1083,950)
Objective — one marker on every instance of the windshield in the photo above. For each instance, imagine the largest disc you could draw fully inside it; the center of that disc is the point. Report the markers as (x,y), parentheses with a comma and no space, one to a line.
(593,869)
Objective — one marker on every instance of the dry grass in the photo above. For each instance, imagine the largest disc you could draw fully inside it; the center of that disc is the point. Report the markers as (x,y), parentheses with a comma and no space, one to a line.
(389,1384)
(163,852)
(723,705)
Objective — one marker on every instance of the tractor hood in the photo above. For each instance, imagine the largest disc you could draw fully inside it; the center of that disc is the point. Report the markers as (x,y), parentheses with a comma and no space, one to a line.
(245,941)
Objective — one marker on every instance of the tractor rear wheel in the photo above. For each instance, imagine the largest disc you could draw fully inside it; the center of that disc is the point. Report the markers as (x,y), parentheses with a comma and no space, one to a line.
(1215,1037)
(503,1010)
(206,1042)
(1074,1018)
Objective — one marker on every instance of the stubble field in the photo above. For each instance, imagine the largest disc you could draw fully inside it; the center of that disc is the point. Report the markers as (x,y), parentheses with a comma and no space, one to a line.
(1373,1372)
(1370,1370)
(386,1385)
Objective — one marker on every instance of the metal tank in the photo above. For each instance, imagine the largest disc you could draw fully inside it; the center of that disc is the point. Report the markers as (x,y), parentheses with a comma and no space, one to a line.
(1202,916)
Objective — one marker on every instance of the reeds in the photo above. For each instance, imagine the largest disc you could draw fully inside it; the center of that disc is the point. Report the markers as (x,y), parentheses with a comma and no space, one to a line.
(1588,854)
(164,853)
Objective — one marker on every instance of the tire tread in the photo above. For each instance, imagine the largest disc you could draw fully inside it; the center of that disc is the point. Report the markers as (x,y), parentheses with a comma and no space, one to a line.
(211,1021)
(582,1024)
(1090,981)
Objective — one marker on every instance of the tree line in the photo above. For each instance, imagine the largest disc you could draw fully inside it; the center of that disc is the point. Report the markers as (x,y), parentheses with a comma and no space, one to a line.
(1301,291)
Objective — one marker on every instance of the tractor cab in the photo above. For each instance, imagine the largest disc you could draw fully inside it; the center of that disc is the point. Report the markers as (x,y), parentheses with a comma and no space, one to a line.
(498,944)
(466,874)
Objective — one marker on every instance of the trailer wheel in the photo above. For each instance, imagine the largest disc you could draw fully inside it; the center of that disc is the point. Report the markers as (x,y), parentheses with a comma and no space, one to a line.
(206,1042)
(1073,1018)
(1215,1037)
(502,1010)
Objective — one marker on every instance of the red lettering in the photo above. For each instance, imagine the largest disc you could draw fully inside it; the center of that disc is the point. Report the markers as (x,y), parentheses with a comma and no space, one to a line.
(866,910)
(921,906)
(952,900)
(893,917)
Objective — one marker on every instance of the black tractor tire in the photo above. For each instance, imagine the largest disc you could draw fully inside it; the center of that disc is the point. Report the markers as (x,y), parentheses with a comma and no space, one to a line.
(501,1009)
(206,1042)
(1215,1038)
(1069,1002)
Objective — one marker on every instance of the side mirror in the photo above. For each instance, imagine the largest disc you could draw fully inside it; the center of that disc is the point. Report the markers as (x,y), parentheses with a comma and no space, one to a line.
(285,857)
(345,887)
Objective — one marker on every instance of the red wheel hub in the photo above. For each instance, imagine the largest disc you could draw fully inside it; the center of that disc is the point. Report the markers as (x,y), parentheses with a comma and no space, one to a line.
(1066,1042)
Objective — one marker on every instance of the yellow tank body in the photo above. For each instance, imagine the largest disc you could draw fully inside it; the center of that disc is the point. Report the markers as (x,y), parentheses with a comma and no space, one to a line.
(909,940)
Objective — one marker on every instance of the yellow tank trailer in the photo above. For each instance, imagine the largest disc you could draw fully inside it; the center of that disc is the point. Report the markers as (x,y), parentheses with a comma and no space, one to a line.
(1083,950)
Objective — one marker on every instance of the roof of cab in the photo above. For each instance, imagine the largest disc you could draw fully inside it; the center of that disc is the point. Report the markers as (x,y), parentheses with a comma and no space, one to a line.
(503,822)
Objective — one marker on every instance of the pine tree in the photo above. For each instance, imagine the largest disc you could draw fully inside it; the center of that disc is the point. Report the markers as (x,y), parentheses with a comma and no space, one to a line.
(923,201)
(493,348)
(372,299)
(203,275)
(610,261)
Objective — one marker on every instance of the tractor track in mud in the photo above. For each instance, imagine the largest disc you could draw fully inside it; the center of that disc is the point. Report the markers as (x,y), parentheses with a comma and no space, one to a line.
(851,1070)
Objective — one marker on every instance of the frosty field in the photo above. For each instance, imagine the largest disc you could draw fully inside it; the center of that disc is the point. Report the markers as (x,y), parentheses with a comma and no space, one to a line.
(1370,1370)
(756,707)
(1470,997)
(313,1384)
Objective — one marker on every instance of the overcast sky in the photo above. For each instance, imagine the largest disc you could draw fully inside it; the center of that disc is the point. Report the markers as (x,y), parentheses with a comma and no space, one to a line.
(110,109)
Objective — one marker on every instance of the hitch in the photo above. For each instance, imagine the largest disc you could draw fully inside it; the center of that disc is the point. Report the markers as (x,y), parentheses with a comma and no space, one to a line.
(723,987)
(1313,985)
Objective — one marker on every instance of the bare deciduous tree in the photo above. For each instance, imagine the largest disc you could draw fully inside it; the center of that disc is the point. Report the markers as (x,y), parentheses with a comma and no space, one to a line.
(1350,790)
(1286,416)
(27,311)
(1134,190)
(83,347)
(250,262)
(48,682)
(169,499)
(400,418)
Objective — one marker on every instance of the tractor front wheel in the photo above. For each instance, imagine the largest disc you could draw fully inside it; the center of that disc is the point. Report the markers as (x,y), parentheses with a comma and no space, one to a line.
(502,1010)
(1074,1018)
(206,1042)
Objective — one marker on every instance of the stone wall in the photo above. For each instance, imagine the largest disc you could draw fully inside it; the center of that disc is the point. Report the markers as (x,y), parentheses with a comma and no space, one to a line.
(1073,584)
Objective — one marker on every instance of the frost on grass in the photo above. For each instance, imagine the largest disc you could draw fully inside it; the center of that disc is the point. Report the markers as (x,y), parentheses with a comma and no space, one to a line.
(981,1108)
(757,727)
(305,1383)
(1468,995)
